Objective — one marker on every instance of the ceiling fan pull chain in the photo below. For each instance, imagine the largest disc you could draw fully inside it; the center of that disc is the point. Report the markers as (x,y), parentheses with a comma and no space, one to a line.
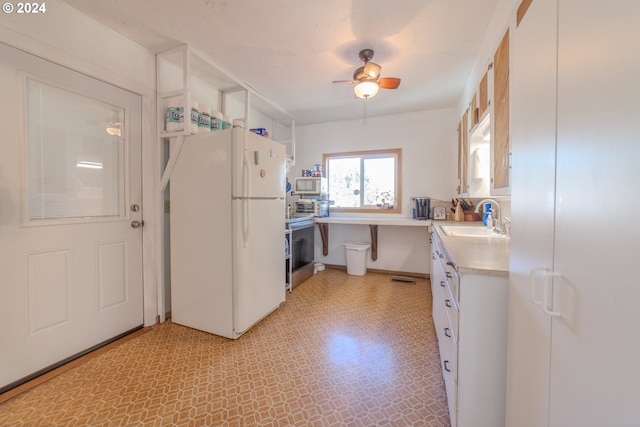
(364,111)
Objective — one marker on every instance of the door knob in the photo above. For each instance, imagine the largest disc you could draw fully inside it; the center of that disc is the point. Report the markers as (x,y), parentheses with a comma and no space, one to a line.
(137,224)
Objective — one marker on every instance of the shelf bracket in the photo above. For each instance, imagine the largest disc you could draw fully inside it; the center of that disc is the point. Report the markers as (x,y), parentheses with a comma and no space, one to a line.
(171,163)
(373,229)
(324,235)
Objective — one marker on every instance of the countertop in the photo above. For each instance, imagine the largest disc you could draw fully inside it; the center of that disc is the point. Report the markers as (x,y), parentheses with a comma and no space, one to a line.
(483,255)
(373,221)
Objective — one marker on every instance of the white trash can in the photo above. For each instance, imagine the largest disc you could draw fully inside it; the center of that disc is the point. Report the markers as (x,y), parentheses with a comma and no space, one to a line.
(356,257)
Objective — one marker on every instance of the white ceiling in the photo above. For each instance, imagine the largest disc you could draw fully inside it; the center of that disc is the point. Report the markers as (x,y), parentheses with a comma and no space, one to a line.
(291,50)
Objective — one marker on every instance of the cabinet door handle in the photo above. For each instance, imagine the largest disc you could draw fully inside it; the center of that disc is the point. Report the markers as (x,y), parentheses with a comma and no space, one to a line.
(446,366)
(450,263)
(447,275)
(532,284)
(446,332)
(442,283)
(447,302)
(546,307)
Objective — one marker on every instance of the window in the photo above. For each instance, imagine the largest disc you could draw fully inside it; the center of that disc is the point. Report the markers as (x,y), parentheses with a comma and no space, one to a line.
(365,180)
(74,154)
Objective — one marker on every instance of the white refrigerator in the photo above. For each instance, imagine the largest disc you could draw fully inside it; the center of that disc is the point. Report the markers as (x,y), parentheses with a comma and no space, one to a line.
(227,221)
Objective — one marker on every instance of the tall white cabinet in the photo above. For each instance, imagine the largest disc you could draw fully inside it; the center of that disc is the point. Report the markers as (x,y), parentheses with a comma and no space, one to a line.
(573,350)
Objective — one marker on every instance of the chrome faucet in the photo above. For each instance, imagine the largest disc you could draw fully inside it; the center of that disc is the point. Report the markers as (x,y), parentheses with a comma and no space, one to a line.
(506,226)
(494,212)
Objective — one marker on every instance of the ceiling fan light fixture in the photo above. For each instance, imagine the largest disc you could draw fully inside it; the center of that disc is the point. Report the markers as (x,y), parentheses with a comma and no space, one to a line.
(366,89)
(372,70)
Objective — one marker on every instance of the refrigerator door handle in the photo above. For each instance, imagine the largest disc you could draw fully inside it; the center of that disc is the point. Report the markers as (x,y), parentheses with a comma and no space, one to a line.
(246,182)
(246,186)
(246,220)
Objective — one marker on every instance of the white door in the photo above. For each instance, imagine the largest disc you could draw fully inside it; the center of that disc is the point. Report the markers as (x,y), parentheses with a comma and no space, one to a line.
(70,188)
(595,378)
(533,127)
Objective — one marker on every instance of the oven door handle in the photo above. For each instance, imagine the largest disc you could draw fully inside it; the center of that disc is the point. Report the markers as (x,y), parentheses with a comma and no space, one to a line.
(302,225)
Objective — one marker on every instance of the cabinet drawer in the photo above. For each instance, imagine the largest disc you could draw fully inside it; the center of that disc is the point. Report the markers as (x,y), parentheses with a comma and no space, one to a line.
(451,346)
(451,386)
(452,310)
(451,320)
(453,280)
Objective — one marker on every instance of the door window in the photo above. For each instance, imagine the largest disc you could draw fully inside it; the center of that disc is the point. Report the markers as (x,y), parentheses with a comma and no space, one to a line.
(75,155)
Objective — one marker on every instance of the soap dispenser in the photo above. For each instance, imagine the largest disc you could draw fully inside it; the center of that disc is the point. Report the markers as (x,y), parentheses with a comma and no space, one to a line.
(487,218)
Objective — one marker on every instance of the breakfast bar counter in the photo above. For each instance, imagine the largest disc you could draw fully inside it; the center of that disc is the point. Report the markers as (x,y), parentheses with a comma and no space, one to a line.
(372,222)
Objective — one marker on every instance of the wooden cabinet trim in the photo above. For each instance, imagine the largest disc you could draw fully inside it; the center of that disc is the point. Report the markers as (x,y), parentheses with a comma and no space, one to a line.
(501,115)
(483,91)
(522,10)
(465,150)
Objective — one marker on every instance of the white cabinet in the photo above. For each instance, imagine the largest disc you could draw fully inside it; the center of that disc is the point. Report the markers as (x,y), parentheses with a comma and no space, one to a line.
(484,152)
(575,150)
(470,315)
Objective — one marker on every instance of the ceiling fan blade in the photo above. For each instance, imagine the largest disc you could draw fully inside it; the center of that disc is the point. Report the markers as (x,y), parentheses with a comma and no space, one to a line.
(343,81)
(389,82)
(372,70)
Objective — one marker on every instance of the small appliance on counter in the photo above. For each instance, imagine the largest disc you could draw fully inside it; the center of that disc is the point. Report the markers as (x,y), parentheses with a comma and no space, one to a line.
(439,212)
(421,208)
(319,208)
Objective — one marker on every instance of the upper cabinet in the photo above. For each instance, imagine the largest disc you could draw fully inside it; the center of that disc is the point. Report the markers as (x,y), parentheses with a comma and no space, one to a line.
(463,154)
(185,77)
(484,152)
(500,147)
(474,144)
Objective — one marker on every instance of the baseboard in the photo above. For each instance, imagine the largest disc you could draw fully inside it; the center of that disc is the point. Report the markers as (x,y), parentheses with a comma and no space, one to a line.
(379,271)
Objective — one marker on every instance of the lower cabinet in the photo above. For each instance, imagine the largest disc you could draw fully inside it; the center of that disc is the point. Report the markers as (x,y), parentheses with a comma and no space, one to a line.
(470,317)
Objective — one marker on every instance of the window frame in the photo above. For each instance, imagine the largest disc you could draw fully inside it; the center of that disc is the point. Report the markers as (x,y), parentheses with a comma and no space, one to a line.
(392,152)
(93,93)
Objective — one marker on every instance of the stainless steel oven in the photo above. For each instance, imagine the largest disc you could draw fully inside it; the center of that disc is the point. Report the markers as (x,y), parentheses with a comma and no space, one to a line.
(302,247)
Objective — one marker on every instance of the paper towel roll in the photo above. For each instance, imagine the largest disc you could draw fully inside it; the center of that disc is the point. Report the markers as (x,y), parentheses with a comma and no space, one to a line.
(204,122)
(195,117)
(216,120)
(226,121)
(174,115)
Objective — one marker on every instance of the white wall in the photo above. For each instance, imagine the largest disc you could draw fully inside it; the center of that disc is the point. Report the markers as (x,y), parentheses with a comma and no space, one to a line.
(69,38)
(428,142)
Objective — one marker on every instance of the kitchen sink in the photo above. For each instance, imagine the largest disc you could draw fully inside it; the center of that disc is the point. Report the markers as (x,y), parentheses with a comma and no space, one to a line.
(469,231)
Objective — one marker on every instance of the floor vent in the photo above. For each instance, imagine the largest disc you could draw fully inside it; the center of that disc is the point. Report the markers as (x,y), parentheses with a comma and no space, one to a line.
(403,279)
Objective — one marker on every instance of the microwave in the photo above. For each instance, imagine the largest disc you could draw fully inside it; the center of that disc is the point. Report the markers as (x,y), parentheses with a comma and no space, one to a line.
(310,185)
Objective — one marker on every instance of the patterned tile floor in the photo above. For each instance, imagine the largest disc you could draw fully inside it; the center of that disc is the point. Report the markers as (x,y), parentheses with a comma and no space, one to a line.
(342,351)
